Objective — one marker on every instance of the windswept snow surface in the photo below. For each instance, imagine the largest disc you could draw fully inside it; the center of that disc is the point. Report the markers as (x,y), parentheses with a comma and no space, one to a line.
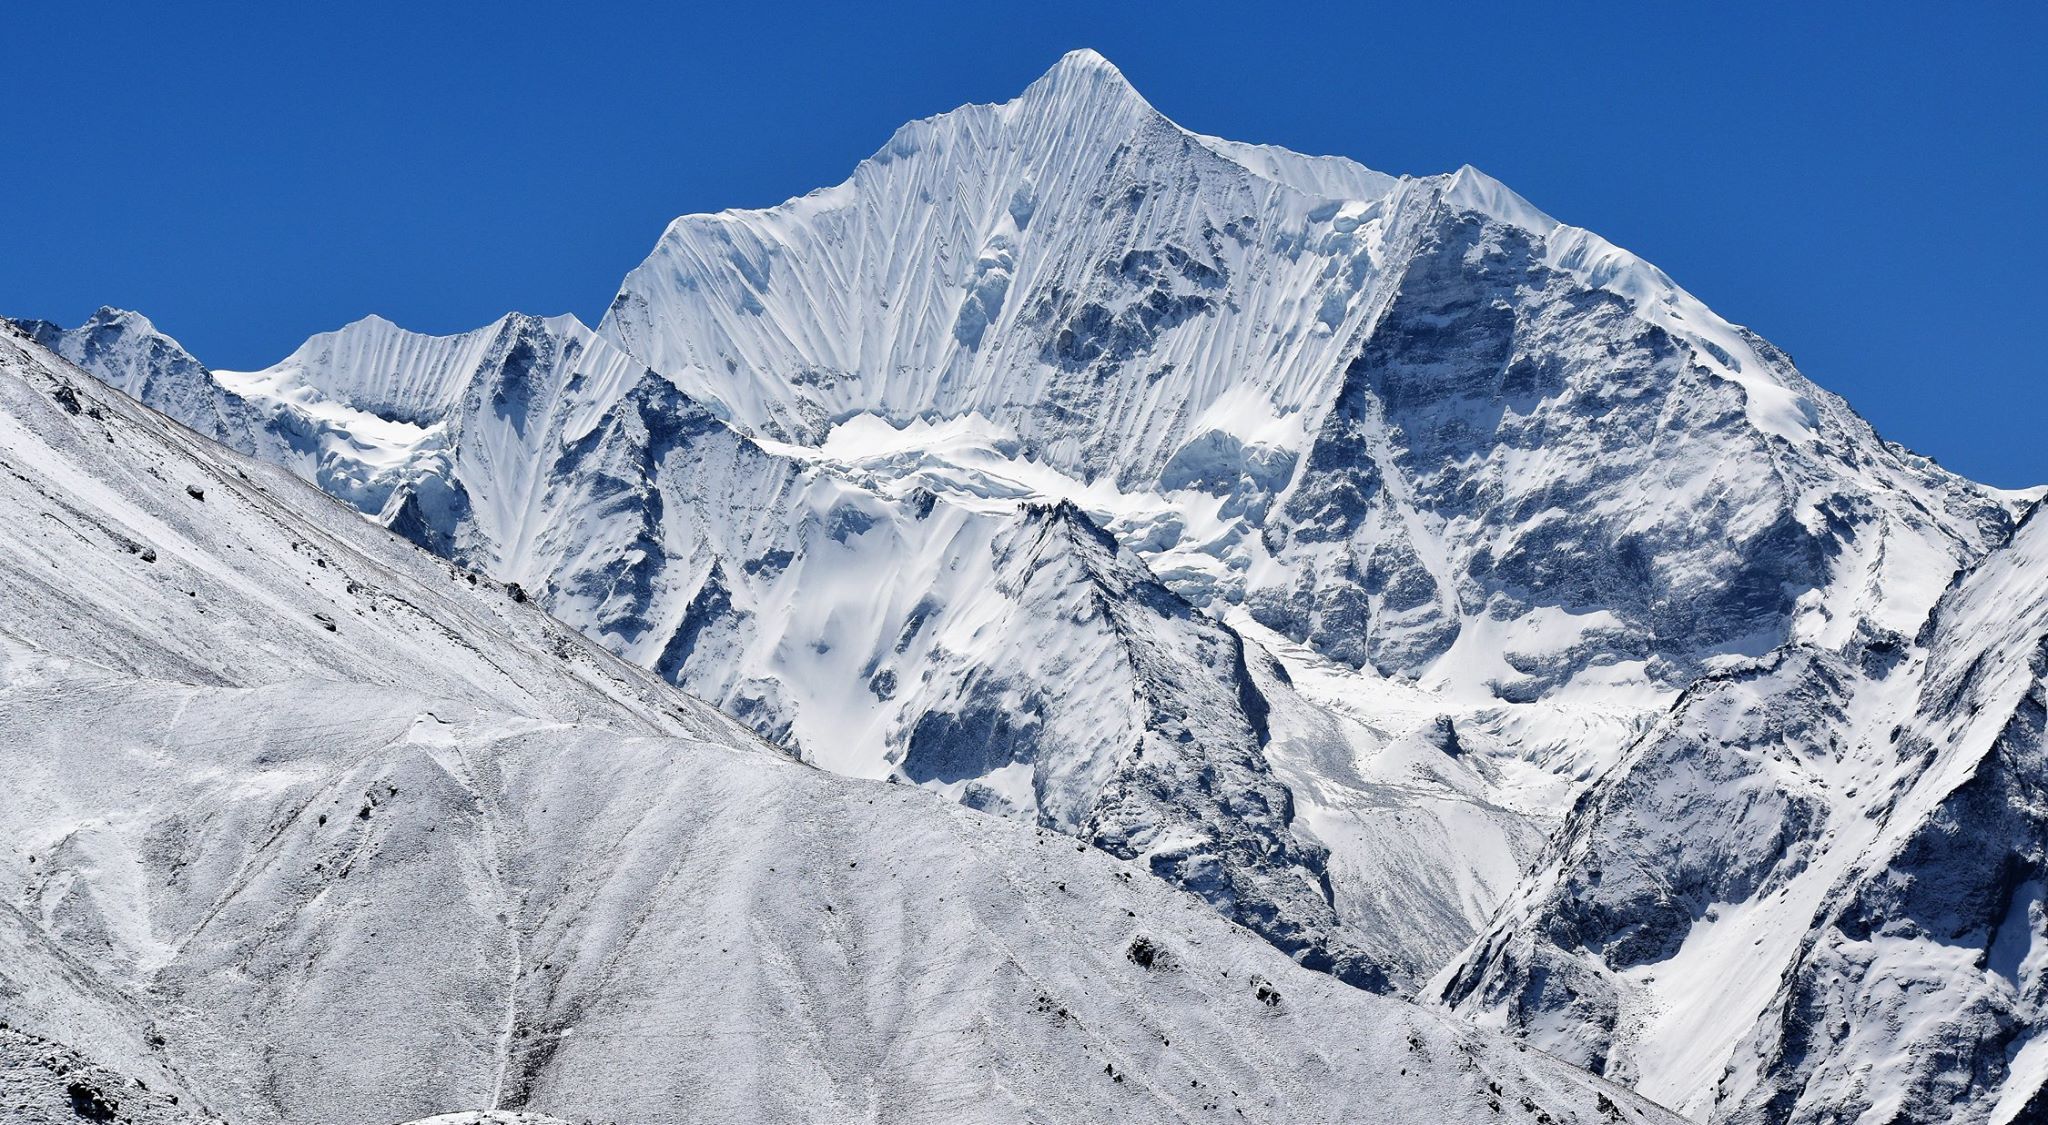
(1378,557)
(307,825)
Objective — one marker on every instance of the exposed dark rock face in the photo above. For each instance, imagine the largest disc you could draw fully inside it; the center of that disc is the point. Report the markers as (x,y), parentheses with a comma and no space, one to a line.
(1489,455)
(1870,822)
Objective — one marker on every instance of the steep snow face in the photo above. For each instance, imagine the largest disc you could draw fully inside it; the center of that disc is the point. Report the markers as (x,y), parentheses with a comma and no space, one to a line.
(1826,859)
(1070,261)
(306,825)
(1427,429)
(1939,928)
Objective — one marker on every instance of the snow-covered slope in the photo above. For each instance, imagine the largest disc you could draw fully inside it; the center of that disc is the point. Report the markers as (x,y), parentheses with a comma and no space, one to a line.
(306,825)
(46,1083)
(274,603)
(127,352)
(1069,262)
(1813,892)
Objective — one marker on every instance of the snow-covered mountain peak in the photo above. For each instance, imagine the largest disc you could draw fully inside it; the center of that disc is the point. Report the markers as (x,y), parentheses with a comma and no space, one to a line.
(1084,87)
(125,350)
(123,345)
(1470,189)
(375,366)
(126,320)
(1293,380)
(1075,212)
(1284,380)
(1062,124)
(1086,60)
(1081,74)
(1081,92)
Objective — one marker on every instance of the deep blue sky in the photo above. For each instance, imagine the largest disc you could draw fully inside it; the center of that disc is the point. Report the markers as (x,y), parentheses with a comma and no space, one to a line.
(1862,184)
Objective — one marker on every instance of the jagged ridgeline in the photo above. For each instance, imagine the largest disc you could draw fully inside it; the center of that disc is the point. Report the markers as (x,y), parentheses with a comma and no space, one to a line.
(1435,589)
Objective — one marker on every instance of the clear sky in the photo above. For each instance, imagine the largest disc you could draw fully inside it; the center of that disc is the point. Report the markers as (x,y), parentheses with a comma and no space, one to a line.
(1863,184)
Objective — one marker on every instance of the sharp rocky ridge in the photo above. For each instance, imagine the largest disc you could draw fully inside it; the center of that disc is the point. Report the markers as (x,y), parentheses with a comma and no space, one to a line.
(1434,588)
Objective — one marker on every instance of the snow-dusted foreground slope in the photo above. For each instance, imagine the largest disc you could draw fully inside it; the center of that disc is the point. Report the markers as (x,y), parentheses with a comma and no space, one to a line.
(305,825)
